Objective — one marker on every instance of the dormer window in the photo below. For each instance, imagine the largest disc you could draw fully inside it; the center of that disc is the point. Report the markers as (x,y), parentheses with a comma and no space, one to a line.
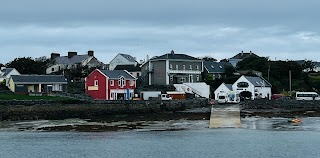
(122,82)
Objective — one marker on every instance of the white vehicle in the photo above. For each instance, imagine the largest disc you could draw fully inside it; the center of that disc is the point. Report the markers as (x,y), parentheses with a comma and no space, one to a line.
(222,98)
(147,95)
(307,96)
(229,97)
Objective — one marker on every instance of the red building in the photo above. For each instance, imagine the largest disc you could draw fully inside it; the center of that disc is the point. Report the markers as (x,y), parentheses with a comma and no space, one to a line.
(110,85)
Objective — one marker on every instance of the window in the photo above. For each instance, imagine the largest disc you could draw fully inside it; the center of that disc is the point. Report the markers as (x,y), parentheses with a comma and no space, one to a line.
(131,83)
(190,67)
(170,66)
(182,79)
(171,78)
(184,67)
(95,82)
(111,82)
(121,82)
(52,69)
(138,74)
(198,78)
(177,67)
(197,67)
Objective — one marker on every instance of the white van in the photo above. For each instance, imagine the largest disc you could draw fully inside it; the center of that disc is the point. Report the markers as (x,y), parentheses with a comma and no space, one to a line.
(307,96)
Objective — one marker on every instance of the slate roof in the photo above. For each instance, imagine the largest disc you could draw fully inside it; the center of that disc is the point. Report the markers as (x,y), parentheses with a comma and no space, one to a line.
(129,68)
(128,57)
(229,86)
(115,74)
(73,60)
(258,81)
(215,67)
(244,55)
(30,79)
(6,71)
(174,56)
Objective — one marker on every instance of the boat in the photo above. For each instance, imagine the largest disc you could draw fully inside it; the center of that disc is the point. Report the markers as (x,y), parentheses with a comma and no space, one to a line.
(297,120)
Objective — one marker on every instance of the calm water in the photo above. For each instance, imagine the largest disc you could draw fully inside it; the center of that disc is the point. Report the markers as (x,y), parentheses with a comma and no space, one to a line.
(266,141)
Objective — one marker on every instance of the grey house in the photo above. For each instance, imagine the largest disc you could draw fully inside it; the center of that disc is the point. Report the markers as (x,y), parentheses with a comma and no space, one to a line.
(215,69)
(23,84)
(171,68)
(240,56)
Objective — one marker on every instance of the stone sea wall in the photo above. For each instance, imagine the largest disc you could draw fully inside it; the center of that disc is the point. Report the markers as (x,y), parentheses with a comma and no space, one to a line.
(280,108)
(32,110)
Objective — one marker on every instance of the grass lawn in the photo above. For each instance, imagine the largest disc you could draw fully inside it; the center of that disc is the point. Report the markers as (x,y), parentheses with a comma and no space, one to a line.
(27,97)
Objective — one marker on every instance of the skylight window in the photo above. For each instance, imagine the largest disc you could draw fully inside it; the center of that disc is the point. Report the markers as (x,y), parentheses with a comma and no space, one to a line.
(212,66)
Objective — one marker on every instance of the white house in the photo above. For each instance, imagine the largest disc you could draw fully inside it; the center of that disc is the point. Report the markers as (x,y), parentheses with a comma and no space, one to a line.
(5,74)
(223,88)
(73,60)
(258,87)
(122,59)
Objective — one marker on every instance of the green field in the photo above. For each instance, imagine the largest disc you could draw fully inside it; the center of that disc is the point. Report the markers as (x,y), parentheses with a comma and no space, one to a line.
(27,97)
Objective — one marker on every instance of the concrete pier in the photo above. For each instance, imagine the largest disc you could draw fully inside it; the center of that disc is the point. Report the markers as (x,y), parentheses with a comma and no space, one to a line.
(225,116)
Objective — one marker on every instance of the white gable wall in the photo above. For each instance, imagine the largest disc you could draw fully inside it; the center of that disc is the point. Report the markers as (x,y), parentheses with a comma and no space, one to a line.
(257,92)
(250,87)
(120,60)
(221,89)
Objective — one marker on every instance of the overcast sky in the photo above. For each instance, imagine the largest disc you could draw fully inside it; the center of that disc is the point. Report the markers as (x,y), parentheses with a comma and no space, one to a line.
(280,29)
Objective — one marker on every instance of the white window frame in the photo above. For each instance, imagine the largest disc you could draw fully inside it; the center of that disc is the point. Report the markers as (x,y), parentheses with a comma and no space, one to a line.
(184,67)
(198,78)
(122,82)
(111,82)
(177,67)
(197,67)
(190,67)
(131,83)
(96,83)
(170,66)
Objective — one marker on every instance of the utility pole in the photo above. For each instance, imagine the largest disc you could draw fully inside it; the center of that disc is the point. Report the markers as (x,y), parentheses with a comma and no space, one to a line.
(290,82)
(269,73)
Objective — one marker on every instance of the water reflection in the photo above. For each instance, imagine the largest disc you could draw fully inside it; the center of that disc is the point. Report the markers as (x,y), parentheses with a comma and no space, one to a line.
(261,123)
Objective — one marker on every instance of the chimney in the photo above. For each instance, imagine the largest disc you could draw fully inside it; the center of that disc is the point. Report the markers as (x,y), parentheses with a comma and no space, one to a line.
(71,54)
(54,55)
(172,52)
(250,52)
(241,53)
(90,53)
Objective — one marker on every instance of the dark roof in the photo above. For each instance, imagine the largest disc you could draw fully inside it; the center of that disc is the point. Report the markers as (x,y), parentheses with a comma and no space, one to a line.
(229,86)
(258,81)
(214,67)
(6,71)
(129,57)
(244,55)
(115,74)
(39,79)
(73,60)
(129,68)
(174,56)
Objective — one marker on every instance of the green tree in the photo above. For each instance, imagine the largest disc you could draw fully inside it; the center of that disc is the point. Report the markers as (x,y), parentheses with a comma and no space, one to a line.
(208,58)
(28,65)
(308,65)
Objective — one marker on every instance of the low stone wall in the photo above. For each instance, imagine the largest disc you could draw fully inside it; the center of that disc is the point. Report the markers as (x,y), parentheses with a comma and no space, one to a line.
(30,110)
(280,108)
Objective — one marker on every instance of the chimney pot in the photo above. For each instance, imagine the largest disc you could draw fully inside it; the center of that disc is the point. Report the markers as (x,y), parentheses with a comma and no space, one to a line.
(54,55)
(90,53)
(71,54)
